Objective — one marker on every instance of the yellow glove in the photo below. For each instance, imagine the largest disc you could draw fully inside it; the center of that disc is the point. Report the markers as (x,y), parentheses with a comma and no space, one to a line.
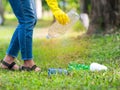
(57,12)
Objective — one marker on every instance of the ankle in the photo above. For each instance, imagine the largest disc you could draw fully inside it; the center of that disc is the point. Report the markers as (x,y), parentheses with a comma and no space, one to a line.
(8,59)
(29,63)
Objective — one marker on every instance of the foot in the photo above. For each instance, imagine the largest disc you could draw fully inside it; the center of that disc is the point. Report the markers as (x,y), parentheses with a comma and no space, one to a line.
(30,65)
(9,60)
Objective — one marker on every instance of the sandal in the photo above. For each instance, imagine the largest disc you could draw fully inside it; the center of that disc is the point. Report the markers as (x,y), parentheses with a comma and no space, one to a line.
(23,68)
(9,66)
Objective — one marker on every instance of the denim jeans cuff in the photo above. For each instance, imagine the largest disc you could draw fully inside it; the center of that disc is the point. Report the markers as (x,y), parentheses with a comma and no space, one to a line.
(11,55)
(27,59)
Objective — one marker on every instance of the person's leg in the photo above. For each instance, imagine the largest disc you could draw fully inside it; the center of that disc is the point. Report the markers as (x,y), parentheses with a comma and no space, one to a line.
(26,15)
(13,50)
(22,39)
(14,47)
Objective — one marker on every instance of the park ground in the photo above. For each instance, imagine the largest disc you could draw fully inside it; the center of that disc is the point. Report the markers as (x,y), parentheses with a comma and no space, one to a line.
(59,52)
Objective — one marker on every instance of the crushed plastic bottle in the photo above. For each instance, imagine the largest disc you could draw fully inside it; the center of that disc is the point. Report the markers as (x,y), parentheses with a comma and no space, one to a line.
(57,71)
(57,29)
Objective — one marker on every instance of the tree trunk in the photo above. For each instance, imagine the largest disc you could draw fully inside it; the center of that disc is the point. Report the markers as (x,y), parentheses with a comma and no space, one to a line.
(39,8)
(105,16)
(1,13)
(85,6)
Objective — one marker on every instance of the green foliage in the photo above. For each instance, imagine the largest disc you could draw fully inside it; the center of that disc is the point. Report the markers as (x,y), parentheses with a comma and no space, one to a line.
(78,27)
(73,4)
(70,5)
(6,6)
(4,2)
(45,6)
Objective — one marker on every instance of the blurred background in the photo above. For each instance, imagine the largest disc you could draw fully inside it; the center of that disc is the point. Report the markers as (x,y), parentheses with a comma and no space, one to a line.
(42,9)
(44,15)
(104,15)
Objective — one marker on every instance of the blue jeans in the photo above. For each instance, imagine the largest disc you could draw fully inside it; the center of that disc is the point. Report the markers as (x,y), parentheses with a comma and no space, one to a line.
(21,40)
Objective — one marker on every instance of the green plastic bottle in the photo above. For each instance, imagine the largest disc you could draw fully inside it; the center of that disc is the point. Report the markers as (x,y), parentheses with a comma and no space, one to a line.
(75,66)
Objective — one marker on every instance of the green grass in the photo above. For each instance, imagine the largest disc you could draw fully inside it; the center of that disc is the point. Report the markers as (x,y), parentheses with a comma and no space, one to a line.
(59,52)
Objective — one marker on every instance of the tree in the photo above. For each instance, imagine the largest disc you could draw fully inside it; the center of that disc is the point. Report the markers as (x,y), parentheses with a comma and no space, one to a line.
(85,6)
(105,16)
(1,14)
(39,8)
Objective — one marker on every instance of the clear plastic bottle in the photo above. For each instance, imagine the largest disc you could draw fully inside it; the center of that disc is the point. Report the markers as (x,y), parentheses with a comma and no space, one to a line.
(58,29)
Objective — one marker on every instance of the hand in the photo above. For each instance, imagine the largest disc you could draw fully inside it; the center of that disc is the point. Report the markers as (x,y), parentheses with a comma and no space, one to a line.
(61,17)
(58,13)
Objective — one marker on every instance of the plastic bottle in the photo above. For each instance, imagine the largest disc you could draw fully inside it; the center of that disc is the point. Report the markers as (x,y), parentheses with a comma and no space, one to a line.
(57,71)
(58,29)
(85,20)
(91,67)
(97,67)
(75,66)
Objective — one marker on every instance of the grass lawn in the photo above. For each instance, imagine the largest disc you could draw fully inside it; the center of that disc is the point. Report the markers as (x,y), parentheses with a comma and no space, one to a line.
(59,52)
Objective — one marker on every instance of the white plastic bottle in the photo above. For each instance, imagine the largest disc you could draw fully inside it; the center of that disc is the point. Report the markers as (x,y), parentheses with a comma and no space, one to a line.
(58,29)
(85,20)
(97,67)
